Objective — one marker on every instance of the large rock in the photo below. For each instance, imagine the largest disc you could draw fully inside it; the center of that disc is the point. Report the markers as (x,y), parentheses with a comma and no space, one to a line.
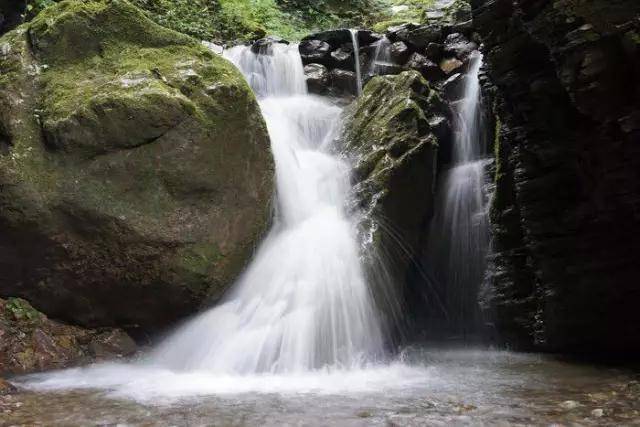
(135,170)
(30,342)
(564,79)
(388,136)
(315,52)
(418,36)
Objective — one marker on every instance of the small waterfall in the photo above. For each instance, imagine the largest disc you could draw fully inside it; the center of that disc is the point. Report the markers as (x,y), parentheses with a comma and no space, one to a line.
(303,303)
(356,58)
(381,56)
(458,236)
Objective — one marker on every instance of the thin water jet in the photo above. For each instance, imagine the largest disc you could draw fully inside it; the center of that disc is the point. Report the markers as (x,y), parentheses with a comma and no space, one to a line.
(459,231)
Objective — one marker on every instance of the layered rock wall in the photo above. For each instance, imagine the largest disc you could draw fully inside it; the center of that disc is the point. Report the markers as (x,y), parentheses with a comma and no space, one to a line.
(564,84)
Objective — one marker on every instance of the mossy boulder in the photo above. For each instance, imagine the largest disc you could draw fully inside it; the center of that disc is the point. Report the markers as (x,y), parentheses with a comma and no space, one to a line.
(391,134)
(29,341)
(135,170)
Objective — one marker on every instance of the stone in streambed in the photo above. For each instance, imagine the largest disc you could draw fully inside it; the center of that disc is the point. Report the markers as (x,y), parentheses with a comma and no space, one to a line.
(317,78)
(315,51)
(429,69)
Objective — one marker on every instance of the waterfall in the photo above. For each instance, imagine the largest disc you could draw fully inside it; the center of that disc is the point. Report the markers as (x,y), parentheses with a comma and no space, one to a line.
(458,235)
(303,303)
(381,56)
(356,58)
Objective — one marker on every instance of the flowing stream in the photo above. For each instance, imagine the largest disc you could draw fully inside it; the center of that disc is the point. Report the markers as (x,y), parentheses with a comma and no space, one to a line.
(459,233)
(303,303)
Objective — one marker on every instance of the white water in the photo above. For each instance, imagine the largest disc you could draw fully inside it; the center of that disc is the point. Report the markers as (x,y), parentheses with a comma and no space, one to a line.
(381,56)
(458,235)
(356,58)
(302,316)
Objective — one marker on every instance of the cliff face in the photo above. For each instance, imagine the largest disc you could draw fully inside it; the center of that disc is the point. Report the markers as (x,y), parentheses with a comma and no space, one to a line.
(564,84)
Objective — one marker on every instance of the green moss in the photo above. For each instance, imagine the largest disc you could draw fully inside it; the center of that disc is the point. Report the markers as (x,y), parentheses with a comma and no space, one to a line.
(20,310)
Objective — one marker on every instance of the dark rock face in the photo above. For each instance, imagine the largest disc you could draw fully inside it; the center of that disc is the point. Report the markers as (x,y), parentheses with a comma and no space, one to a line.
(343,82)
(29,341)
(315,51)
(137,193)
(388,133)
(429,70)
(565,82)
(317,78)
(456,45)
(400,52)
(418,36)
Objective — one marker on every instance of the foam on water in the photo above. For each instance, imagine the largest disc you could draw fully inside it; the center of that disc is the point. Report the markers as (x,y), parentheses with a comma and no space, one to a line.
(301,317)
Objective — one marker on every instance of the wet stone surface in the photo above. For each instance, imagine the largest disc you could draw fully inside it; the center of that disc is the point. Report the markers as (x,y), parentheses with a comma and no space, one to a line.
(458,388)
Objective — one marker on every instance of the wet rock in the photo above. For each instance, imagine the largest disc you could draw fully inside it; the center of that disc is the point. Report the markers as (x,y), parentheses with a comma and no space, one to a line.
(262,45)
(456,45)
(563,77)
(569,405)
(418,36)
(315,51)
(366,37)
(343,81)
(6,387)
(343,57)
(399,52)
(597,413)
(335,38)
(317,78)
(110,344)
(453,87)
(429,70)
(29,341)
(451,65)
(434,52)
(387,133)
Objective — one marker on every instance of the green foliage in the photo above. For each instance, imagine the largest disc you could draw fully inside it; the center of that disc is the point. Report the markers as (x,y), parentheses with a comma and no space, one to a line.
(21,310)
(228,20)
(35,6)
(197,18)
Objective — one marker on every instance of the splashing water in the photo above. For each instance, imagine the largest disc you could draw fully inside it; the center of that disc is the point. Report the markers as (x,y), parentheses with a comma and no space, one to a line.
(302,314)
(356,59)
(459,235)
(381,56)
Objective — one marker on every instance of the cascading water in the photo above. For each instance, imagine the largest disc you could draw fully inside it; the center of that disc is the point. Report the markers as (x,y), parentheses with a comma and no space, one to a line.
(356,59)
(459,234)
(303,303)
(381,56)
(301,317)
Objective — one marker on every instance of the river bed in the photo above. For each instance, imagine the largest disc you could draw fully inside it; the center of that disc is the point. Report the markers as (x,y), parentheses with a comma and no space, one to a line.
(429,387)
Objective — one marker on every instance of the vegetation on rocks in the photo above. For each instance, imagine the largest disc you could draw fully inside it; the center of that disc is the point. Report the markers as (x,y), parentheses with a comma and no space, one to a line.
(29,341)
(135,167)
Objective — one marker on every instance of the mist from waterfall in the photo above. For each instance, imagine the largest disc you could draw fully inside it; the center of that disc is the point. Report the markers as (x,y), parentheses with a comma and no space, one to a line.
(459,233)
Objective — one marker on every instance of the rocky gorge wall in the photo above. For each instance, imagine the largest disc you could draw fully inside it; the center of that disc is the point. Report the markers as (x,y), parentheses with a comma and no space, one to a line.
(563,81)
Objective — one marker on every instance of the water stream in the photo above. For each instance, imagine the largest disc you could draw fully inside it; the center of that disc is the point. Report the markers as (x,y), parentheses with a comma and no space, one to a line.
(356,59)
(298,341)
(459,231)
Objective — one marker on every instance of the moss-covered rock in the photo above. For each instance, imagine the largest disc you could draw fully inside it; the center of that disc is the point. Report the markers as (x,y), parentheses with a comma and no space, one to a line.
(135,171)
(390,133)
(32,342)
